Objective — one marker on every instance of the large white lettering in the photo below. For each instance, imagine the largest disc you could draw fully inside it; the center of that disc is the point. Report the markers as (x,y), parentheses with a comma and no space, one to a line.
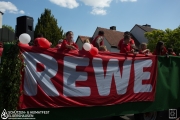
(70,76)
(43,78)
(104,81)
(140,76)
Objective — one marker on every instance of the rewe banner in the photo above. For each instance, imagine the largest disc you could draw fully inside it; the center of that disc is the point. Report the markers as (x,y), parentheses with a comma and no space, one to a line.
(54,79)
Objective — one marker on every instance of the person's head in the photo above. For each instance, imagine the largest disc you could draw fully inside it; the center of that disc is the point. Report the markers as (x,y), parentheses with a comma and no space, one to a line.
(69,35)
(101,33)
(86,41)
(102,48)
(40,35)
(159,47)
(127,33)
(60,41)
(127,38)
(143,46)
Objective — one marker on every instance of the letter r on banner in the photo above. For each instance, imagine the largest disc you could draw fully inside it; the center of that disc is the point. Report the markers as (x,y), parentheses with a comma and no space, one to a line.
(33,77)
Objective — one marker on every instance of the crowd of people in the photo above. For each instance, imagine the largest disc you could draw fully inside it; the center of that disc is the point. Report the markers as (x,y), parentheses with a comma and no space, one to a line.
(125,45)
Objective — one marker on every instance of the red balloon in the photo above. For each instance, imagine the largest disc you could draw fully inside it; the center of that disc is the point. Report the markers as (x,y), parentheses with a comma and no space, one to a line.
(44,43)
(93,51)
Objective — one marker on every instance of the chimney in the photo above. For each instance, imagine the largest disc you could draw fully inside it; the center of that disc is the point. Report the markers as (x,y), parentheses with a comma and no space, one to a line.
(1,16)
(113,28)
(146,25)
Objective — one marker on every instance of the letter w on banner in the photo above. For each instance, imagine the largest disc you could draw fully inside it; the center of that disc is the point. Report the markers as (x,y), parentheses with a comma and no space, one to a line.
(57,79)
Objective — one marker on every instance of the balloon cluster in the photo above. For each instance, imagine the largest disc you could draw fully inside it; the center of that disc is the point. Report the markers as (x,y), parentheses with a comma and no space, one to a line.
(25,39)
(89,47)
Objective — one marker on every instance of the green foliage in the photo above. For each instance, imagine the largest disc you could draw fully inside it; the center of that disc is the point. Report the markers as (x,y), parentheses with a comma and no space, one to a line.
(10,77)
(171,38)
(47,25)
(9,27)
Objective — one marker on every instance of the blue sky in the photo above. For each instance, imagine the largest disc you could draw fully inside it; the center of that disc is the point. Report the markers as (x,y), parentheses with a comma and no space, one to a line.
(84,16)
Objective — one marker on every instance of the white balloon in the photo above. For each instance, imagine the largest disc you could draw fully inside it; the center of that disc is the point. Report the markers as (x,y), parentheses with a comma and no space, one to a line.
(87,46)
(24,38)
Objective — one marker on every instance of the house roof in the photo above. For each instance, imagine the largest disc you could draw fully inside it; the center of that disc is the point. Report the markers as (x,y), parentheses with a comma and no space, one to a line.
(1,12)
(112,36)
(137,43)
(146,28)
(82,38)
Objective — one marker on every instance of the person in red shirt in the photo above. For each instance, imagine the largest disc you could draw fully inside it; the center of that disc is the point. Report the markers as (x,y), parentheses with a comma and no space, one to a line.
(160,49)
(126,45)
(68,43)
(143,49)
(171,52)
(99,40)
(59,44)
(121,41)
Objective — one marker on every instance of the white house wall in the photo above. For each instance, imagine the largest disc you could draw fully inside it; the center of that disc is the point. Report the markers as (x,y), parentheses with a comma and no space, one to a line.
(1,16)
(138,33)
(79,43)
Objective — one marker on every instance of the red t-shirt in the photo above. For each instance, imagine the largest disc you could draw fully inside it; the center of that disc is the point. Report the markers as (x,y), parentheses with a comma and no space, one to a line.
(65,42)
(98,37)
(125,48)
(164,51)
(121,42)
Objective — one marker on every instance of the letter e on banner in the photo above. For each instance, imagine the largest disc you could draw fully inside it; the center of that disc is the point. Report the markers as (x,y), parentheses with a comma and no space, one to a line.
(140,76)
(70,76)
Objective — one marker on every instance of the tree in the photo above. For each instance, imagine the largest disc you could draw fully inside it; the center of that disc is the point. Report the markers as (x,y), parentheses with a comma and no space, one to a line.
(47,25)
(171,38)
(9,27)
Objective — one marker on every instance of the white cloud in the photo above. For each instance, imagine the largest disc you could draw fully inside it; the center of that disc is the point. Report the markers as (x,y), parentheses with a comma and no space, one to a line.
(98,6)
(128,0)
(66,3)
(21,12)
(9,7)
(97,3)
(98,11)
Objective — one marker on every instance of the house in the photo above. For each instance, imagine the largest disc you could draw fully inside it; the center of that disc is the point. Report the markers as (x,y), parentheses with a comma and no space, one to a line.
(138,32)
(1,16)
(111,38)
